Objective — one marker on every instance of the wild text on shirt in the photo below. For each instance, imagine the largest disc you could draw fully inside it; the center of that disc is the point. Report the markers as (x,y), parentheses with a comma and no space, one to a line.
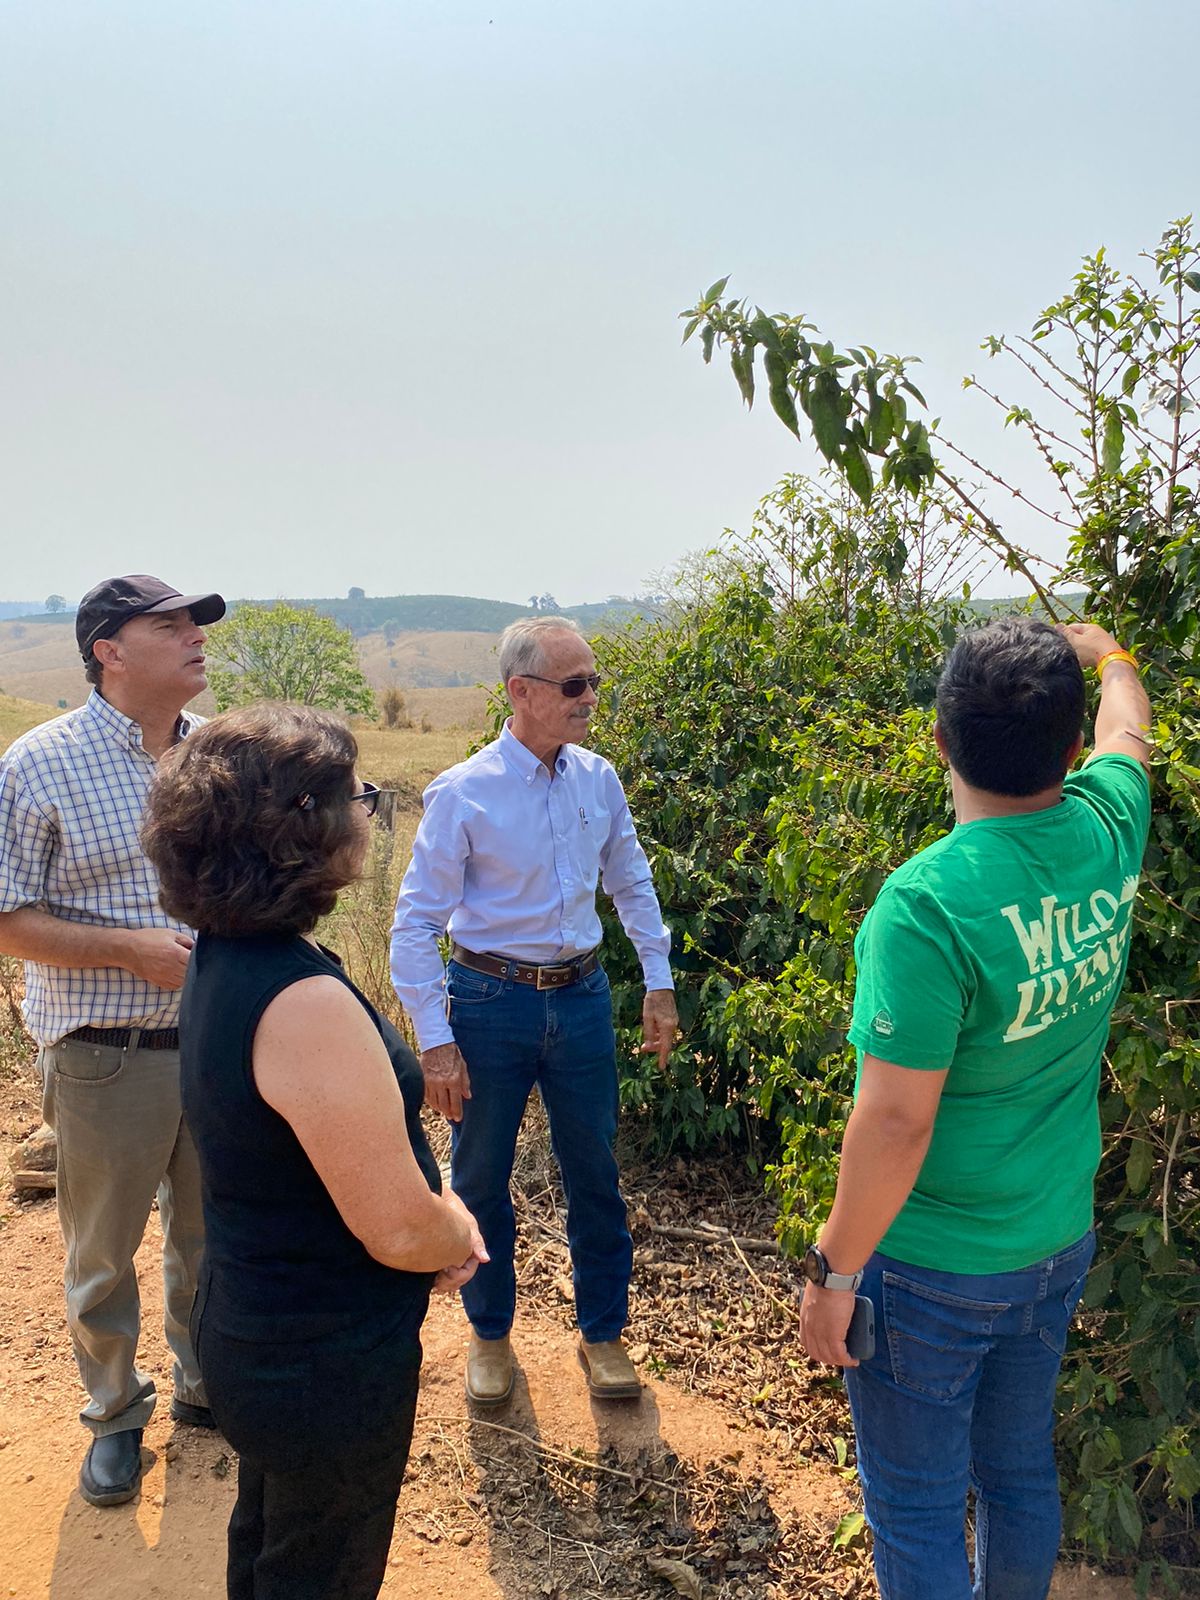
(1075,955)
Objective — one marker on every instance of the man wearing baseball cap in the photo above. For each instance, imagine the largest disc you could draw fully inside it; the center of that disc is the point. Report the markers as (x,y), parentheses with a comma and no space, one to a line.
(103,969)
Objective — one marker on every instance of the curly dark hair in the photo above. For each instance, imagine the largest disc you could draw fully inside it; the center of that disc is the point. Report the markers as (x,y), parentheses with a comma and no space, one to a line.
(235,850)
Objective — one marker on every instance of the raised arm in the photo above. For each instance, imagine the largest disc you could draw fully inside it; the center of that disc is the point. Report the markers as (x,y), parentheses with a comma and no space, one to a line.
(1123,716)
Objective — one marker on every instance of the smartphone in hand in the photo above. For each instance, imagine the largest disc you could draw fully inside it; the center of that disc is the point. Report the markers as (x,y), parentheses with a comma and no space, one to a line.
(860,1335)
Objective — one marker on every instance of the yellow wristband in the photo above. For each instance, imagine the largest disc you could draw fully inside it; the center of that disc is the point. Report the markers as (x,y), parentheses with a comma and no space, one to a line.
(1115,655)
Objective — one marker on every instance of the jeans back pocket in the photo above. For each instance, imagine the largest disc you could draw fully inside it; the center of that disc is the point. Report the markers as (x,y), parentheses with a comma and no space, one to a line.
(935,1339)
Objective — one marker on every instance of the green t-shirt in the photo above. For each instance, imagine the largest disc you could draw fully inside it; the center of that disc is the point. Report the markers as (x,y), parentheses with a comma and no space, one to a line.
(997,953)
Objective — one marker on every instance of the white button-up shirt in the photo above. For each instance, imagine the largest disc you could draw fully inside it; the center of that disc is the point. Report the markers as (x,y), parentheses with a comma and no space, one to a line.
(72,794)
(507,859)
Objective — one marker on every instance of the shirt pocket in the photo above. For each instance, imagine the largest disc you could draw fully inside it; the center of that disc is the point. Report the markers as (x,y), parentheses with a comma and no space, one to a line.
(591,838)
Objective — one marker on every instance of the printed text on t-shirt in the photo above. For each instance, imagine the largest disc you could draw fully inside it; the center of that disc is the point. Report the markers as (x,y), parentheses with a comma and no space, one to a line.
(1075,954)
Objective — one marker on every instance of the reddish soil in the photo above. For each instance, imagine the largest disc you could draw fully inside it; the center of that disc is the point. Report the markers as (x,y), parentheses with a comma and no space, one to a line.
(556,1498)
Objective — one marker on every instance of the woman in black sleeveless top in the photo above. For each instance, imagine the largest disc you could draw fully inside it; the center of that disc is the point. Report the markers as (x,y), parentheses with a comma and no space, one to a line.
(325,1223)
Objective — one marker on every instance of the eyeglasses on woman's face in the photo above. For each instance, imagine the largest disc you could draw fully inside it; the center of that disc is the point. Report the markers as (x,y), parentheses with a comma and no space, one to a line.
(571,687)
(368,796)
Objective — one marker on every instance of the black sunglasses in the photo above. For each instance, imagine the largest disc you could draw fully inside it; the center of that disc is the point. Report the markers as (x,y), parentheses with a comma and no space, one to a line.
(571,687)
(368,795)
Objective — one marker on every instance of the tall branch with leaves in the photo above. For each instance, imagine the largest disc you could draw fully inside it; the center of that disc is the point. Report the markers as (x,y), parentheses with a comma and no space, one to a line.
(1117,429)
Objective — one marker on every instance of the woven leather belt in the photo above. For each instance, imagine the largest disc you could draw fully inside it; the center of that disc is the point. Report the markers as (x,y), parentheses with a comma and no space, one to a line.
(122,1038)
(557,976)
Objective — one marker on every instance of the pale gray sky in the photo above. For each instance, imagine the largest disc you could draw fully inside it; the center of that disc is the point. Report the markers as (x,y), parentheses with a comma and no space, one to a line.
(383,292)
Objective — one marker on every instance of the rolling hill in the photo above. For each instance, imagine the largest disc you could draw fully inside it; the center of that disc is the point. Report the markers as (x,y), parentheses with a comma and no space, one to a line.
(415,641)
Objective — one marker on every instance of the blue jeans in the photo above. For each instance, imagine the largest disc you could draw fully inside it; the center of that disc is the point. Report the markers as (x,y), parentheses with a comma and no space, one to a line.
(512,1037)
(960,1394)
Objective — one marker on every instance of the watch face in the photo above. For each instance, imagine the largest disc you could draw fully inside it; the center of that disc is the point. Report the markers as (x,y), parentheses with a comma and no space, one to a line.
(814,1265)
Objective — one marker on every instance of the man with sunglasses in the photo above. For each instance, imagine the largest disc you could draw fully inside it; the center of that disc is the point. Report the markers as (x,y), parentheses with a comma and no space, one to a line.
(507,859)
(104,965)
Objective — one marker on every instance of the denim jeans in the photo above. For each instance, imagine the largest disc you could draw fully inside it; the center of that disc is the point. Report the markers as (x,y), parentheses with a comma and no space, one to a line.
(960,1395)
(512,1037)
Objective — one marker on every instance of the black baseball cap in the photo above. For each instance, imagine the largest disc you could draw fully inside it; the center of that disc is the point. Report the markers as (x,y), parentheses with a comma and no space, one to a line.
(106,609)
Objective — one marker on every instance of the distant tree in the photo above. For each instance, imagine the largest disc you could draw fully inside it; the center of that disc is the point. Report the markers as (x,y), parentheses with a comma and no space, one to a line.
(357,594)
(534,602)
(547,602)
(394,708)
(55,602)
(281,652)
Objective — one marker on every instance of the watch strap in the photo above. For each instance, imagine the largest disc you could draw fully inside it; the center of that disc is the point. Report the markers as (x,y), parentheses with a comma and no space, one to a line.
(848,1282)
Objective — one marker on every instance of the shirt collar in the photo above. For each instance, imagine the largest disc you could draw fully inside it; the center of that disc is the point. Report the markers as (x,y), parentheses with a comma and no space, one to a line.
(115,725)
(523,761)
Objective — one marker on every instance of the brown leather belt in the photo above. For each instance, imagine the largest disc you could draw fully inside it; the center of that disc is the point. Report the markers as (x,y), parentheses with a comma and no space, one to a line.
(122,1038)
(556,976)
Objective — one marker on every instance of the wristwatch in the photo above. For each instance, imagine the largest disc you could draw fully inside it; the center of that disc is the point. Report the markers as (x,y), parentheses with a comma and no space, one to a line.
(817,1270)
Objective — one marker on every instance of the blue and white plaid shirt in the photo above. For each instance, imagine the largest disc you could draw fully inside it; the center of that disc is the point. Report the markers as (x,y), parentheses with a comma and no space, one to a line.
(72,794)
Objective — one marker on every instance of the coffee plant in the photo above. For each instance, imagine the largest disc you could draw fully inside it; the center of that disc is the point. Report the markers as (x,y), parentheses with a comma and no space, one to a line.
(775,740)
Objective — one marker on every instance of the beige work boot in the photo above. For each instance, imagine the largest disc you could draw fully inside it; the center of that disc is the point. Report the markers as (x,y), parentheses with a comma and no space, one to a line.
(610,1373)
(489,1371)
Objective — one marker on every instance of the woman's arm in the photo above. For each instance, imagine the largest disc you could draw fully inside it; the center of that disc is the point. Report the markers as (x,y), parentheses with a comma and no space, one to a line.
(319,1061)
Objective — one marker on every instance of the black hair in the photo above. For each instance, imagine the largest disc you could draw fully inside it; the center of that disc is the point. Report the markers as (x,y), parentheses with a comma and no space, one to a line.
(1010,704)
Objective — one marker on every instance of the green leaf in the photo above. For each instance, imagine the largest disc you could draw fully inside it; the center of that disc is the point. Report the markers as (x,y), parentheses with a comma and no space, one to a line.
(850,1528)
(1128,1514)
(706,339)
(858,471)
(1192,279)
(1114,440)
(765,331)
(1099,1285)
(879,423)
(1130,381)
(825,413)
(782,402)
(690,329)
(1139,1165)
(716,289)
(741,359)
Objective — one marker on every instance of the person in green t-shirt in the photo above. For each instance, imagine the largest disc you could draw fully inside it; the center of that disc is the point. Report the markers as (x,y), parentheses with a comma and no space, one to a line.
(987,971)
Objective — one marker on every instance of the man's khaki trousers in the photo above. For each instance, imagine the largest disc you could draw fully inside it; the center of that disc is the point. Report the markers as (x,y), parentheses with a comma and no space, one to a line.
(118,1120)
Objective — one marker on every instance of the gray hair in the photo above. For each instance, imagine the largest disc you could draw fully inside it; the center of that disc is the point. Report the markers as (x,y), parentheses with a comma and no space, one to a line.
(521,644)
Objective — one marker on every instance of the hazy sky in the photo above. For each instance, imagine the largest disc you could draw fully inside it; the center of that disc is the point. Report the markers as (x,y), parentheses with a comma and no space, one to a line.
(305,295)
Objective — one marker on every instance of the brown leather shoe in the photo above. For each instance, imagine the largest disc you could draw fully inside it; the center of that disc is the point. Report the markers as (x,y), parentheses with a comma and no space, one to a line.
(610,1373)
(489,1371)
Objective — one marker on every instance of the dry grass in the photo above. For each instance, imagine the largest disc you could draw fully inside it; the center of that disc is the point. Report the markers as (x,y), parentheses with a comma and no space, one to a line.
(40,661)
(406,759)
(428,658)
(18,716)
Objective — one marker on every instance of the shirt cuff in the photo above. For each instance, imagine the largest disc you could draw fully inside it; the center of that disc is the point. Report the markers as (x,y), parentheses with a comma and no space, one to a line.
(431,1026)
(657,973)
